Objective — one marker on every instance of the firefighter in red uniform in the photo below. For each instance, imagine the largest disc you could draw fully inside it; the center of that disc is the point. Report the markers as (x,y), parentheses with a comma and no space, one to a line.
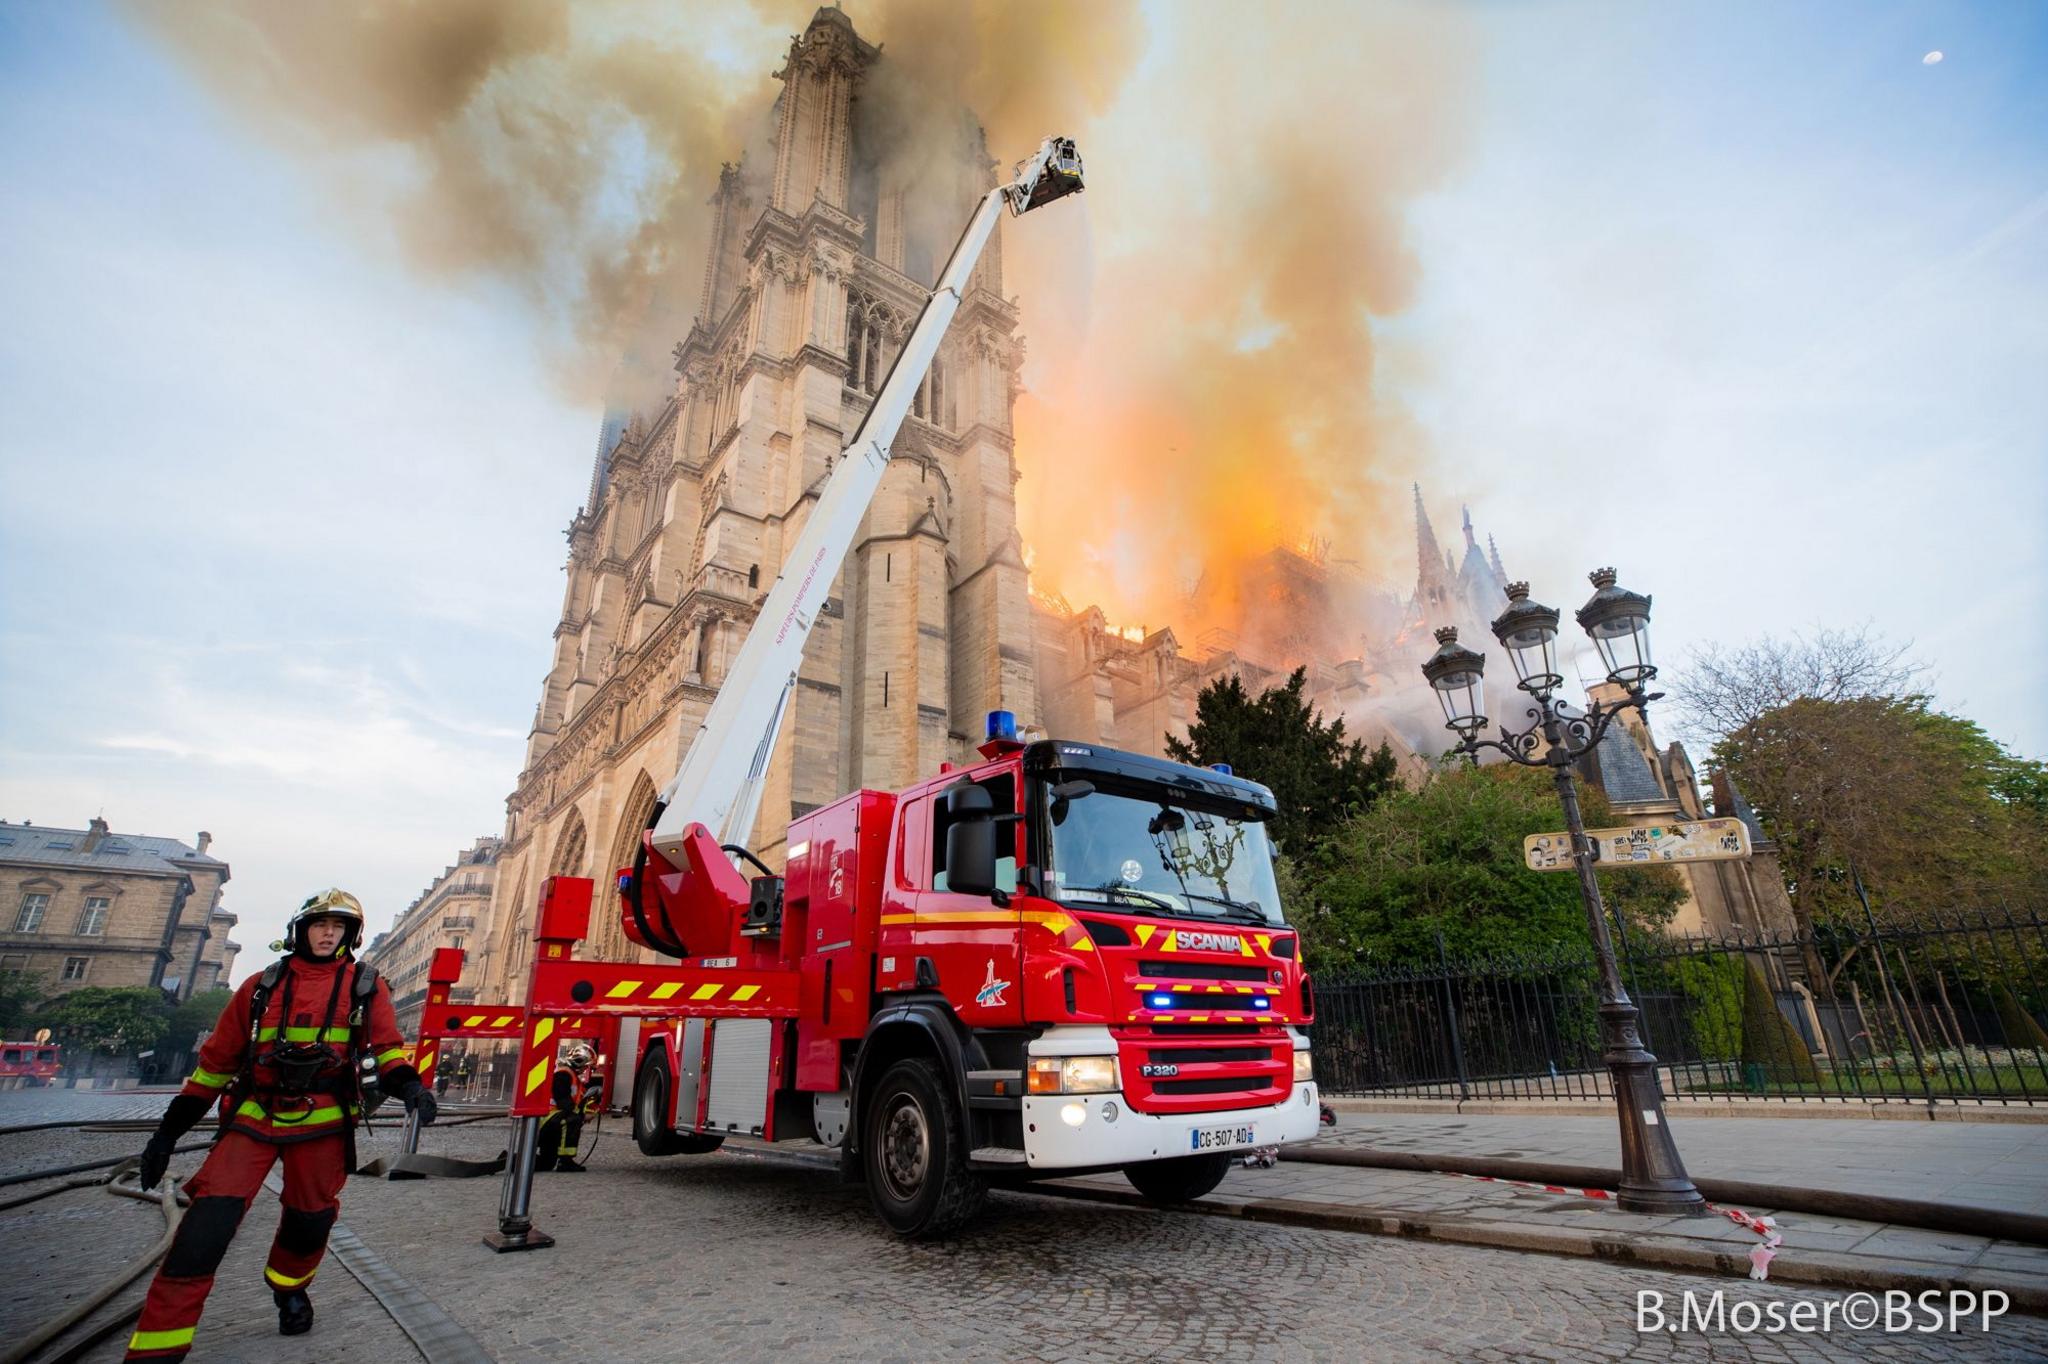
(575,1092)
(283,1062)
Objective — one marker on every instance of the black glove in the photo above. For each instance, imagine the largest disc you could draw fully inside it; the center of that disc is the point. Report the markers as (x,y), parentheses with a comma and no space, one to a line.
(156,1158)
(184,1111)
(418,1099)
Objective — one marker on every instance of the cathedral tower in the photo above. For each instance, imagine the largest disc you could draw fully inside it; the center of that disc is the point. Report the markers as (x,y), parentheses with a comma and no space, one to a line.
(813,276)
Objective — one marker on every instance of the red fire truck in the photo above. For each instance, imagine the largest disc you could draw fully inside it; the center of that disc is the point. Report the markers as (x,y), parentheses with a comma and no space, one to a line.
(29,1065)
(1062,958)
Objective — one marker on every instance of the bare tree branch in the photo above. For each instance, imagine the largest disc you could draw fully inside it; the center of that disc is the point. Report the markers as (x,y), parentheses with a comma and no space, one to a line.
(1724,688)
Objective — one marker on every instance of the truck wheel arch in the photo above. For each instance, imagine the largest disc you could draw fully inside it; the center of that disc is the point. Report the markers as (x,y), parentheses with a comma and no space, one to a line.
(908,1026)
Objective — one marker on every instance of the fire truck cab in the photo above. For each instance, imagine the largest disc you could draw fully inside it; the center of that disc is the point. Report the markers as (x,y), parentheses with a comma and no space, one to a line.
(29,1065)
(1062,959)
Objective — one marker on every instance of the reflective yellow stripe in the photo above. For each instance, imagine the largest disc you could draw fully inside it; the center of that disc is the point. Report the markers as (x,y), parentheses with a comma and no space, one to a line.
(536,1075)
(965,916)
(543,1030)
(385,1058)
(252,1109)
(304,1034)
(705,991)
(287,1280)
(205,1077)
(745,993)
(664,991)
(161,1340)
(623,989)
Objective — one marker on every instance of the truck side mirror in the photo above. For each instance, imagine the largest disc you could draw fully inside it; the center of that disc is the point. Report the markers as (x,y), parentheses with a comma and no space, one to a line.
(970,841)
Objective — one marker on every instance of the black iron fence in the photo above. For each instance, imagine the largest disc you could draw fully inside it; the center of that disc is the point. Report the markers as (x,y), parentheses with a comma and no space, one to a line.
(1946,1009)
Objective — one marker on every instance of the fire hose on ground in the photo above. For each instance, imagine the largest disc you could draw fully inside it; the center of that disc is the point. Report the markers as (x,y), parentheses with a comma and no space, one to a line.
(167,1198)
(409,1165)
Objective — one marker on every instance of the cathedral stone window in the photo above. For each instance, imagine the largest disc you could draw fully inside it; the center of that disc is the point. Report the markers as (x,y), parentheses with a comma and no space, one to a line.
(930,400)
(867,333)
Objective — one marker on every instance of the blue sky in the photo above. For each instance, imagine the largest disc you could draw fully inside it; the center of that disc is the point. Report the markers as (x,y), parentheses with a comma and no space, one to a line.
(1750,295)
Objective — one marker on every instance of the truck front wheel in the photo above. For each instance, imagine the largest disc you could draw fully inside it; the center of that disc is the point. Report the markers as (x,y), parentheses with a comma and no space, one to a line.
(913,1154)
(651,1130)
(1182,1179)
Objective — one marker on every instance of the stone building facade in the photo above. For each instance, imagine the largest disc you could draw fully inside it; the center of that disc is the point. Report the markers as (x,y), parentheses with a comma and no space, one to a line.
(1648,785)
(452,912)
(816,270)
(91,907)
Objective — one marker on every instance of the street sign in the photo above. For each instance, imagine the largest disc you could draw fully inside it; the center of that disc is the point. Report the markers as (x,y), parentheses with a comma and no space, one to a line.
(1701,840)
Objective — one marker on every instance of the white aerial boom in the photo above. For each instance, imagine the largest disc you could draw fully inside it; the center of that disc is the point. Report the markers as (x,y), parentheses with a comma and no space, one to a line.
(719,784)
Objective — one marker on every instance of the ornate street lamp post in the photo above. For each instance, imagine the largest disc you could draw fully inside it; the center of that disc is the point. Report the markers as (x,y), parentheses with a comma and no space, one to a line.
(1653,1178)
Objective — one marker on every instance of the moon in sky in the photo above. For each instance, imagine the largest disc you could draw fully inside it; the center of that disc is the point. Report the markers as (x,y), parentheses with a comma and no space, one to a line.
(1931,58)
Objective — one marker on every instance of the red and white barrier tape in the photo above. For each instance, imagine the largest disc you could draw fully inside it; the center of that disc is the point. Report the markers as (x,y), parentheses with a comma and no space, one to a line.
(1760,1256)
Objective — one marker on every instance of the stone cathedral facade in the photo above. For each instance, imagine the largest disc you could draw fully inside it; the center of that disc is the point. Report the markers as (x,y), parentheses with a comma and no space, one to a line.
(813,278)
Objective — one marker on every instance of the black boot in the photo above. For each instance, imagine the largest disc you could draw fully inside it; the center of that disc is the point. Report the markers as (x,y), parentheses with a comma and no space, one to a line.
(294,1311)
(567,1166)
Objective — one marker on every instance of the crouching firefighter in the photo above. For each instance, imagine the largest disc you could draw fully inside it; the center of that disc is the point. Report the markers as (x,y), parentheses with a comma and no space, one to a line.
(283,1062)
(576,1093)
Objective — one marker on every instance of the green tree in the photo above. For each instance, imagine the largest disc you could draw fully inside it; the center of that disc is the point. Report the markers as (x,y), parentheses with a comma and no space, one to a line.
(19,994)
(1317,775)
(1446,857)
(194,1016)
(1930,811)
(115,1021)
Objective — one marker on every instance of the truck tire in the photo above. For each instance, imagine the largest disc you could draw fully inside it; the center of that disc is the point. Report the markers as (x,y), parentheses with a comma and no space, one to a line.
(1182,1179)
(651,1132)
(914,1155)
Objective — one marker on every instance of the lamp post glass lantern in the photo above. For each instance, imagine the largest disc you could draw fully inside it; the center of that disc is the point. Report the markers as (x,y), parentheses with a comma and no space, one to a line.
(1528,631)
(1457,674)
(1653,1178)
(1619,622)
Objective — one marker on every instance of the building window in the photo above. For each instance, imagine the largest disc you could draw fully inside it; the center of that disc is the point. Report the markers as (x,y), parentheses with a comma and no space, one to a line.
(93,921)
(866,366)
(14,961)
(929,402)
(30,917)
(75,968)
(455,941)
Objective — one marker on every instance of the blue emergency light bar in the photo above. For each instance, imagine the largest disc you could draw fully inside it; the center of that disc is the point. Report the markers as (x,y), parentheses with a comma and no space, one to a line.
(1002,724)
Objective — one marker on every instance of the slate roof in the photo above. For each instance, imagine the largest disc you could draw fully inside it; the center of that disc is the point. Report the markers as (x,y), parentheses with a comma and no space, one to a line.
(35,844)
(1743,811)
(1624,774)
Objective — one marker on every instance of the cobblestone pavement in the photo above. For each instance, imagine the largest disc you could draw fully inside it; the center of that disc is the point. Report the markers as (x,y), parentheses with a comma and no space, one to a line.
(737,1256)
(1989,1164)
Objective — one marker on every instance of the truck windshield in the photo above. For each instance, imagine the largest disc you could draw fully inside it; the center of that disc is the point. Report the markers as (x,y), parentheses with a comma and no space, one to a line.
(1151,853)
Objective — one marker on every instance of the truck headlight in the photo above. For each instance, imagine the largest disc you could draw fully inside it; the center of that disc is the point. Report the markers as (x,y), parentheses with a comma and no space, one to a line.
(1072,1075)
(1304,1067)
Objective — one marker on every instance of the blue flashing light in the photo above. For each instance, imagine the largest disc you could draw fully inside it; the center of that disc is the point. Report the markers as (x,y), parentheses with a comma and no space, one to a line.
(1225,768)
(1002,724)
(1159,1001)
(1262,1003)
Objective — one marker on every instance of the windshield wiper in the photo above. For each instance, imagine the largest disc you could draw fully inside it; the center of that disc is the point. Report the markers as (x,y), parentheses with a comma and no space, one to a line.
(1143,897)
(1246,910)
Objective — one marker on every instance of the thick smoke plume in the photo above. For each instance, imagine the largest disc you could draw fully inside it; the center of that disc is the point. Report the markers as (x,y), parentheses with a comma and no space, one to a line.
(1219,396)
(564,148)
(1201,322)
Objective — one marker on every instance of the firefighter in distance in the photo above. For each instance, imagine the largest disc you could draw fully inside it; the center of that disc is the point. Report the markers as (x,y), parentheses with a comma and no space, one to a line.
(283,1063)
(576,1093)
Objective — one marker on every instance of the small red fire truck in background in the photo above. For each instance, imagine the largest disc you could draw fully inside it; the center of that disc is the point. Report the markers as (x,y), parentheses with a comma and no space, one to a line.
(29,1065)
(1062,958)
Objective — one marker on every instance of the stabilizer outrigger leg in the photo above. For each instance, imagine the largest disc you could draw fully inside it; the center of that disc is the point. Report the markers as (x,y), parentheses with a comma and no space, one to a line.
(515,1207)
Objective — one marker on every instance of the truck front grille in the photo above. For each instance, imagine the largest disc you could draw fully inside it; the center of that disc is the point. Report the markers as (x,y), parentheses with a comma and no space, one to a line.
(1200,970)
